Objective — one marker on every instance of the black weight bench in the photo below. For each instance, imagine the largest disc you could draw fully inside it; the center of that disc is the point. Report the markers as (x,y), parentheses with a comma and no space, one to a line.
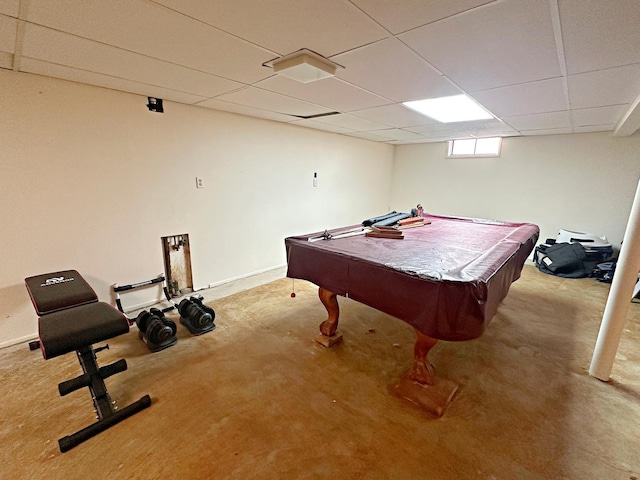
(72,319)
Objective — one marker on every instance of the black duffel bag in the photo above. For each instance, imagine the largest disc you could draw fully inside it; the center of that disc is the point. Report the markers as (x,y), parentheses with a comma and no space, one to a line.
(562,259)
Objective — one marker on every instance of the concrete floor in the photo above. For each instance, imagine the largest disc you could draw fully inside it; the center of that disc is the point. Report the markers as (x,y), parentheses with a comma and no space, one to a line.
(258,398)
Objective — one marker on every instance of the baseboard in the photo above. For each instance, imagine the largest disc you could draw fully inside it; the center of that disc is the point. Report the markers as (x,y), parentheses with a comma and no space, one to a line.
(214,291)
(17,341)
(241,283)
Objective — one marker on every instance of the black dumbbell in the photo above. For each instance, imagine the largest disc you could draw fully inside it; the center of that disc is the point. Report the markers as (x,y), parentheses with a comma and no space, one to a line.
(156,330)
(197,317)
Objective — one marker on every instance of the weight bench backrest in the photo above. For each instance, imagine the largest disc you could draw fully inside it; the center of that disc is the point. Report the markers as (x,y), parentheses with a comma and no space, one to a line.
(52,292)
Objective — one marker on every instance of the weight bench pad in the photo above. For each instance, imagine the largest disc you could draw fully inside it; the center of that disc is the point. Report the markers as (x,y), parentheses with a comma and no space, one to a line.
(52,292)
(74,328)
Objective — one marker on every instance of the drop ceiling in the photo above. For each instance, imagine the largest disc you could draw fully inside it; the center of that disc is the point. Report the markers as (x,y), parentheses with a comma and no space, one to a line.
(539,66)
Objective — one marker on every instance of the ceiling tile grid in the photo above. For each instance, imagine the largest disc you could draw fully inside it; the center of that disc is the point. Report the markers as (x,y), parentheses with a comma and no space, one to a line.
(409,14)
(8,29)
(599,35)
(492,47)
(328,27)
(539,66)
(330,92)
(86,55)
(391,69)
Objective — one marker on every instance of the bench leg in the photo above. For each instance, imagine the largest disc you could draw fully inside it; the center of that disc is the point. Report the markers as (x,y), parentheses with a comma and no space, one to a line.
(93,378)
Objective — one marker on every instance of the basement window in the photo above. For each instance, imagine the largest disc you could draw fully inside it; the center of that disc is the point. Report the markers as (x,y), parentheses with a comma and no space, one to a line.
(475,147)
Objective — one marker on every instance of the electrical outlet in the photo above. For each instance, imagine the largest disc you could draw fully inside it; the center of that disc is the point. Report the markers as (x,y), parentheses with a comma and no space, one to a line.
(199,182)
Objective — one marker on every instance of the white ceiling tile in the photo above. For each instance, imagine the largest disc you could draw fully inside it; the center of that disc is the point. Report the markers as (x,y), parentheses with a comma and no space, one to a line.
(505,43)
(547,131)
(504,53)
(471,132)
(612,86)
(155,31)
(594,128)
(427,129)
(598,116)
(352,122)
(106,81)
(321,126)
(324,26)
(407,14)
(498,131)
(523,99)
(329,92)
(244,110)
(396,134)
(443,139)
(63,49)
(10,7)
(389,68)
(368,136)
(540,121)
(8,27)
(395,116)
(274,102)
(412,141)
(492,124)
(600,34)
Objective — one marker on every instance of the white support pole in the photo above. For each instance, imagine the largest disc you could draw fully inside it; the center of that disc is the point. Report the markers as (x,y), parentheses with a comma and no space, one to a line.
(615,312)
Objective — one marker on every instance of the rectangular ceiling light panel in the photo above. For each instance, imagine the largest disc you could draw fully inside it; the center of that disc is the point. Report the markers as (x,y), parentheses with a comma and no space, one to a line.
(456,108)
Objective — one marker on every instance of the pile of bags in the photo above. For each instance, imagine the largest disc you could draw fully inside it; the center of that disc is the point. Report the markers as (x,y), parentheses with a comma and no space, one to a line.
(576,255)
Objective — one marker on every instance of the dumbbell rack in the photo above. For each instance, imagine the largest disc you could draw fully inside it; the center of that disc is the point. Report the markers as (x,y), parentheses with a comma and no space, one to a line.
(117,289)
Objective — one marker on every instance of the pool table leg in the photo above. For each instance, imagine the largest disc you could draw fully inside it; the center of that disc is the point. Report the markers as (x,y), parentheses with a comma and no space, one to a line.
(421,386)
(329,334)
(330,302)
(422,371)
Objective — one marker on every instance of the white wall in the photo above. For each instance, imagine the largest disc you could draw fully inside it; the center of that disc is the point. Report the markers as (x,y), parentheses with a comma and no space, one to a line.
(91,180)
(582,182)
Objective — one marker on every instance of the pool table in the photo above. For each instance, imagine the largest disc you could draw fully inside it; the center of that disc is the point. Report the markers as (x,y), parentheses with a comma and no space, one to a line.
(446,279)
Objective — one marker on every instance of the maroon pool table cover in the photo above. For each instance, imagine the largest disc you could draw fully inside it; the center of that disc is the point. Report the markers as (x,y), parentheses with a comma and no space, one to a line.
(446,279)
